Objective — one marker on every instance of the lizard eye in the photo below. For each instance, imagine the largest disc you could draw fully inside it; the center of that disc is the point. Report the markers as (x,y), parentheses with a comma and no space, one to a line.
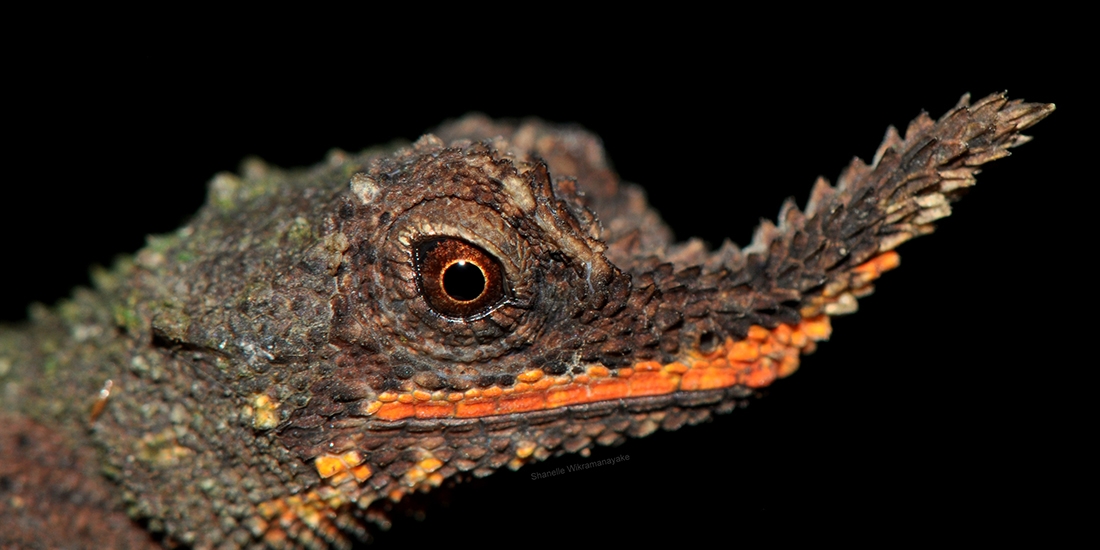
(458,279)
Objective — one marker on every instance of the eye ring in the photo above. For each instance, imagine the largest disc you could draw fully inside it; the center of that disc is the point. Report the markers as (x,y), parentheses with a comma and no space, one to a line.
(458,279)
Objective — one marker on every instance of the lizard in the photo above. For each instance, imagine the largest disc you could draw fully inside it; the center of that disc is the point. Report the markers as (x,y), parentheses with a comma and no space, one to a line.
(317,345)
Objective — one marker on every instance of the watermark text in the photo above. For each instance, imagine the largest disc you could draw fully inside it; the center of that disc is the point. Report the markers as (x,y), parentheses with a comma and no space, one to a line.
(579,467)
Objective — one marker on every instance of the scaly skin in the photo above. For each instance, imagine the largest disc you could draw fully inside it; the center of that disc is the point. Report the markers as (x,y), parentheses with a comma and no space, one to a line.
(278,378)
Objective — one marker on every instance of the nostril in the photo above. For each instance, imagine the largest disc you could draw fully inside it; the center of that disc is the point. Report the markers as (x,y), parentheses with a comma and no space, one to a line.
(708,342)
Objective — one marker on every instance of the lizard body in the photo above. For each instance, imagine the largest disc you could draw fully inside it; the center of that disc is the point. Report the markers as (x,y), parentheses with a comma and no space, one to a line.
(286,331)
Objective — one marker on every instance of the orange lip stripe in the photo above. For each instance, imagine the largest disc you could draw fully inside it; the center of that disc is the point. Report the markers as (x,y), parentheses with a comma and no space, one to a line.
(754,362)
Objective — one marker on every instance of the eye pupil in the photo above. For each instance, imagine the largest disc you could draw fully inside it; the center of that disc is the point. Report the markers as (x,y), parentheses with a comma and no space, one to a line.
(463,281)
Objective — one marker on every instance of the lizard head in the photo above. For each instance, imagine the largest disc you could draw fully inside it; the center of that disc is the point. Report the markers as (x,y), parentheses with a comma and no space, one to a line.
(494,295)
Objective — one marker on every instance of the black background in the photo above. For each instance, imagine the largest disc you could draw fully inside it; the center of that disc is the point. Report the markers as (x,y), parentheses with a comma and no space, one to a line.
(938,407)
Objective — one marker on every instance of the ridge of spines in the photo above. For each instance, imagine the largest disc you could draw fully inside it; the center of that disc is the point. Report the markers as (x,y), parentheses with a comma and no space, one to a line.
(825,256)
(909,184)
